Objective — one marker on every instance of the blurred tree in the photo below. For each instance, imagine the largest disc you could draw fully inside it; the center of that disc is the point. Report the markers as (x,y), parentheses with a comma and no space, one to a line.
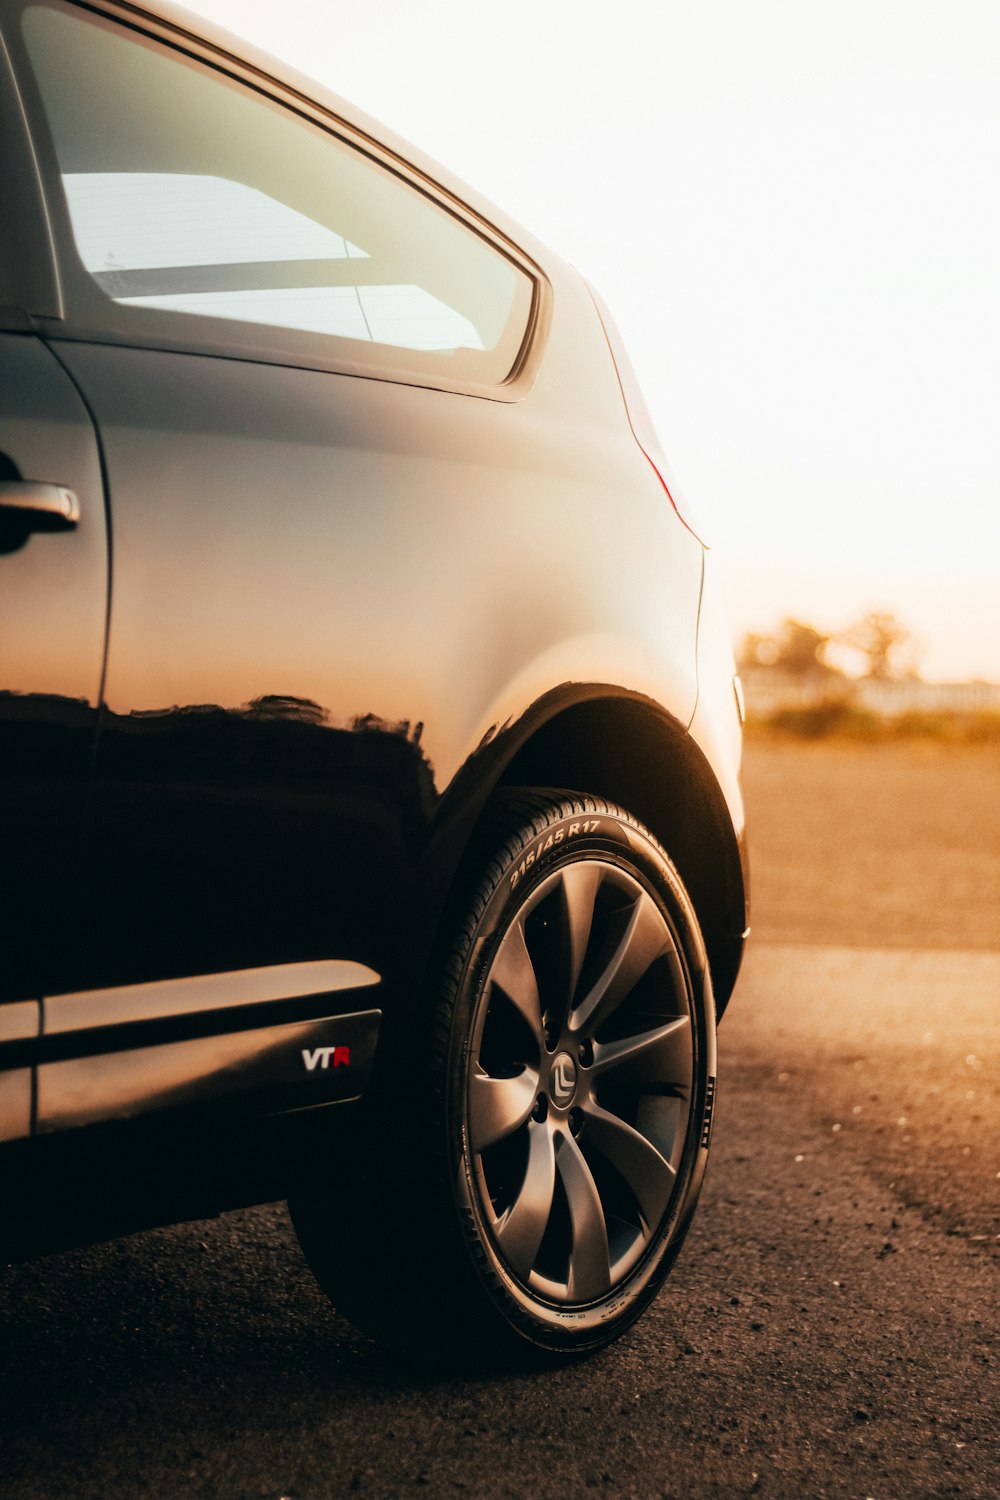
(794,647)
(757,650)
(879,637)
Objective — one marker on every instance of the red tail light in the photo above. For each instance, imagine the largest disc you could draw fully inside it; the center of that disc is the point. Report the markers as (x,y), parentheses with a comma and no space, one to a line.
(639,419)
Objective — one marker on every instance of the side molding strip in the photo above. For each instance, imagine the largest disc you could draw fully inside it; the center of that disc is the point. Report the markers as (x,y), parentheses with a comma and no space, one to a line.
(242,1073)
(19,1026)
(201,993)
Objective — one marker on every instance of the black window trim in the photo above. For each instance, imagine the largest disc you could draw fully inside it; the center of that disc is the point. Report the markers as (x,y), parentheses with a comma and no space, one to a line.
(90,317)
(28,277)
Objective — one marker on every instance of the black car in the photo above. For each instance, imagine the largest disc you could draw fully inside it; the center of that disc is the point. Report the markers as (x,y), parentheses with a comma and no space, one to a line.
(369,734)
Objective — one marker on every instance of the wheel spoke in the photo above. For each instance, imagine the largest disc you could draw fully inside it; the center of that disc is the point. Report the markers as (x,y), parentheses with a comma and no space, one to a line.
(649,1175)
(579,886)
(514,973)
(499,1106)
(662,1055)
(643,940)
(589,1256)
(522,1227)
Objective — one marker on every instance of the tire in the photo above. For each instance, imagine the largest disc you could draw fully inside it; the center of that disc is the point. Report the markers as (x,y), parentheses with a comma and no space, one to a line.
(553,1158)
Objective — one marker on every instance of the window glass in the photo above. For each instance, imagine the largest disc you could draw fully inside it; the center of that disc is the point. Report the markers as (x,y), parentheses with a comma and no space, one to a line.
(190,194)
(158,218)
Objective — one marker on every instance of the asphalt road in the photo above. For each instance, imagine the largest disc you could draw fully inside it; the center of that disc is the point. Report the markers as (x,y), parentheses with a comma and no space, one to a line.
(830,1329)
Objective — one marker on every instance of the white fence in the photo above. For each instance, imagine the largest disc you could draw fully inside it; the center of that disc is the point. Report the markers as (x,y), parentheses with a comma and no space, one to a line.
(768,690)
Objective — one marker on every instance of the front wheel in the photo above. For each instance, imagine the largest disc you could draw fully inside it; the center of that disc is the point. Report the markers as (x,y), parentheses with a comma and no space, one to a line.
(573,1072)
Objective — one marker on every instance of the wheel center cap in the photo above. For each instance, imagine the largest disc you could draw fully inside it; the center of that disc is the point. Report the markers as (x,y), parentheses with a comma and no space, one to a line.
(562,1079)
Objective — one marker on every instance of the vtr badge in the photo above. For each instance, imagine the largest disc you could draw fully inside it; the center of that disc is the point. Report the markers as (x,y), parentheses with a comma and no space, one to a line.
(320,1057)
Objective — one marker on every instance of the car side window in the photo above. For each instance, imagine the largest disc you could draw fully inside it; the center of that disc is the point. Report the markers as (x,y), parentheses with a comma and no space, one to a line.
(191,195)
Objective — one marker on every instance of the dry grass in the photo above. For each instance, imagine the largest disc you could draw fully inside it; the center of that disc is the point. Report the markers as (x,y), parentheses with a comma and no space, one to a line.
(840,721)
(891,844)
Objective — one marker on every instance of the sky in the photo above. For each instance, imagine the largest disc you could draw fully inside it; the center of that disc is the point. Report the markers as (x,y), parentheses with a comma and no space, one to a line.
(792,209)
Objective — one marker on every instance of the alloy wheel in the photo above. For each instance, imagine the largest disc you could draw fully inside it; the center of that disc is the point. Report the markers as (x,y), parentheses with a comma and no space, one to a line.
(581,1082)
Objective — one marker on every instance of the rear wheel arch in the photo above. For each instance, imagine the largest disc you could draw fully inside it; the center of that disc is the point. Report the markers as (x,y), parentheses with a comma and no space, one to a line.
(631,752)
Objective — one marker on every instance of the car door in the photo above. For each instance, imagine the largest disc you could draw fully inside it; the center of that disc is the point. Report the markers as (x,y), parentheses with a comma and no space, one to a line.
(274,332)
(53,607)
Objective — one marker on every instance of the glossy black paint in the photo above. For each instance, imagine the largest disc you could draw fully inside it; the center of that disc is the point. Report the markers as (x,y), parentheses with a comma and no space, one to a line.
(53,603)
(255,701)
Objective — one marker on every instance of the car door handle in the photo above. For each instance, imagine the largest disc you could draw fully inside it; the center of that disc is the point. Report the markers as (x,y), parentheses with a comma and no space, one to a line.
(52,504)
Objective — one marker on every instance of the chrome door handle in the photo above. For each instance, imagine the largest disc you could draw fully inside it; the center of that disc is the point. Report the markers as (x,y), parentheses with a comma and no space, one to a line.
(53,502)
